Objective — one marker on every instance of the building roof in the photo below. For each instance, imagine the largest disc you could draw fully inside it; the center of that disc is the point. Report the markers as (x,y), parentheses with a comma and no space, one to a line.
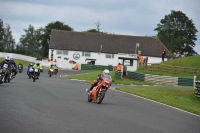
(105,43)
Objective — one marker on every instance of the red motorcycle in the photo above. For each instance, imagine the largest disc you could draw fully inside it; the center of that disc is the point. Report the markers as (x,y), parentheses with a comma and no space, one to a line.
(98,92)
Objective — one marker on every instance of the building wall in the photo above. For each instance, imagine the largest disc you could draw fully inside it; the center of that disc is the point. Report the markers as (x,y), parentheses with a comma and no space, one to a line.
(101,59)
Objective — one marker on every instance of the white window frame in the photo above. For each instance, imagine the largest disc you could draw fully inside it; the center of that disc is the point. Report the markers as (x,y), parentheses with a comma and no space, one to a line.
(109,56)
(87,54)
(59,52)
(65,52)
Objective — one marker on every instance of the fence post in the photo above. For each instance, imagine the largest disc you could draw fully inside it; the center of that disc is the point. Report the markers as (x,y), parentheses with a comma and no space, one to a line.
(194,80)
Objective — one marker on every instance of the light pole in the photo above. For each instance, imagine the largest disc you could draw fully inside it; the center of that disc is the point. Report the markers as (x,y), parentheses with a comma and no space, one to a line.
(137,45)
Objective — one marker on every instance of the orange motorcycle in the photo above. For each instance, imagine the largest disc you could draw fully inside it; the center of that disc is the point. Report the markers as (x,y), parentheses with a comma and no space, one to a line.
(98,92)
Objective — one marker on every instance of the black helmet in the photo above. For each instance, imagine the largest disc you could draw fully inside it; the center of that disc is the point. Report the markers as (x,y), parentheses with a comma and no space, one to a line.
(38,64)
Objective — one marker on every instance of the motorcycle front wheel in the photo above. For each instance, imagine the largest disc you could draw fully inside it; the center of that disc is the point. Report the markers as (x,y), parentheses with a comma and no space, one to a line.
(34,75)
(100,96)
(89,98)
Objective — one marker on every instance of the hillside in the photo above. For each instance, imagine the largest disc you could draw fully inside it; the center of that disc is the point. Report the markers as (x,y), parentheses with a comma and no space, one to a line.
(181,67)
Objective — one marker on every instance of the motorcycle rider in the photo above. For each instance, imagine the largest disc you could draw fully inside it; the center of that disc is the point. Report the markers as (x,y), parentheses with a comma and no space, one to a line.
(29,66)
(39,66)
(105,74)
(6,63)
(51,67)
(13,66)
(56,69)
(20,64)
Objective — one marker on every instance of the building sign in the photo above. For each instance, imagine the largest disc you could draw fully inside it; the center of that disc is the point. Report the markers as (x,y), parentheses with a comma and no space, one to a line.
(76,56)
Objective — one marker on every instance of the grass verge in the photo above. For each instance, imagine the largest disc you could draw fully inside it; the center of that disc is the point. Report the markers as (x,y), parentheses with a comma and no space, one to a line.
(180,98)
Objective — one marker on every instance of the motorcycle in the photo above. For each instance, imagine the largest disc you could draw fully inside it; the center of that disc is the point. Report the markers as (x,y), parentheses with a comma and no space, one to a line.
(98,92)
(11,76)
(20,68)
(3,73)
(55,71)
(30,72)
(35,75)
(51,71)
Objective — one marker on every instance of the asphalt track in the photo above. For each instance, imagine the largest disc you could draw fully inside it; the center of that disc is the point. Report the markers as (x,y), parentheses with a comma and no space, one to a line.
(57,105)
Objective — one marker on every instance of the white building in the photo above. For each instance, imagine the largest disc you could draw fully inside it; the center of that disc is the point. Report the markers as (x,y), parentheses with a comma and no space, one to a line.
(102,49)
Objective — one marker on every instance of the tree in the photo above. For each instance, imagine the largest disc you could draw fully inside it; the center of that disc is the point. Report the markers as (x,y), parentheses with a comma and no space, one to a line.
(7,40)
(1,36)
(177,32)
(45,37)
(1,29)
(30,42)
(94,31)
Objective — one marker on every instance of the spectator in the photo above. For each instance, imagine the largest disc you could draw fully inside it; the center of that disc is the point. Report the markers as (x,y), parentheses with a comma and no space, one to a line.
(146,61)
(174,56)
(178,55)
(163,55)
(118,67)
(141,58)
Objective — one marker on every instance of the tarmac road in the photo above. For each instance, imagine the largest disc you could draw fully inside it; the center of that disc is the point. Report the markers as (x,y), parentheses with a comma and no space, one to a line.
(57,105)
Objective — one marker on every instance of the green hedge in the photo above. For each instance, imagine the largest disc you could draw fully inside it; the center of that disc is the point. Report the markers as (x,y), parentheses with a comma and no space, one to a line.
(95,67)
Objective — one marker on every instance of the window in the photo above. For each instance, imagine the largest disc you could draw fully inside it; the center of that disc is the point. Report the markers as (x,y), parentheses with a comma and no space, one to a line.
(86,54)
(109,55)
(58,52)
(65,52)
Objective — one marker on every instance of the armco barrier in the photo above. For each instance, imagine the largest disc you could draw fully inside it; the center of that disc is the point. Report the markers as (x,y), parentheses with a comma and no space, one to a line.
(136,76)
(162,80)
(118,75)
(197,89)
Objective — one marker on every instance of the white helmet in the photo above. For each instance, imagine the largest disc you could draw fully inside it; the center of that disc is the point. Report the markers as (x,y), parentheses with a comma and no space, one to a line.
(106,71)
(7,59)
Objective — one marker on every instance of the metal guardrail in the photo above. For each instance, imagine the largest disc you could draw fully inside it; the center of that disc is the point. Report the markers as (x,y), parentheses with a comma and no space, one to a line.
(197,89)
(164,80)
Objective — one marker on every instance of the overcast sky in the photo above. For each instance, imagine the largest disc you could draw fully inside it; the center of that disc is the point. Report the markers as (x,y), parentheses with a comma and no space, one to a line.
(125,17)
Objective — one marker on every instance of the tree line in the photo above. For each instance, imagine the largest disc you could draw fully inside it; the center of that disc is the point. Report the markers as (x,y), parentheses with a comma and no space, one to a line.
(175,30)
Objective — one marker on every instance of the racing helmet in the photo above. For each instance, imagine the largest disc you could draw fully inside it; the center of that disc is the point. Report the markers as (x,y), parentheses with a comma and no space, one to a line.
(38,64)
(106,72)
(7,59)
(31,64)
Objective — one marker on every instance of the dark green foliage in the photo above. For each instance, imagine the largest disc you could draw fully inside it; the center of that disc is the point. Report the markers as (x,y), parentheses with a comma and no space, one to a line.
(7,43)
(45,37)
(177,32)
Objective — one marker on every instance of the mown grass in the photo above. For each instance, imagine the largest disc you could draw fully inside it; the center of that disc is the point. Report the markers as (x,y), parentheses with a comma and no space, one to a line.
(179,98)
(189,62)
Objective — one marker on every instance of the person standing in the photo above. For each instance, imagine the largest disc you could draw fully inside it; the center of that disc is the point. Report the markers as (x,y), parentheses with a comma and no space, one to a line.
(118,67)
(163,55)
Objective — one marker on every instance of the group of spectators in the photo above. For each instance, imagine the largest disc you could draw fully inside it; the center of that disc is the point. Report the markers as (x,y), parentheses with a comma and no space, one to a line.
(175,55)
(142,60)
